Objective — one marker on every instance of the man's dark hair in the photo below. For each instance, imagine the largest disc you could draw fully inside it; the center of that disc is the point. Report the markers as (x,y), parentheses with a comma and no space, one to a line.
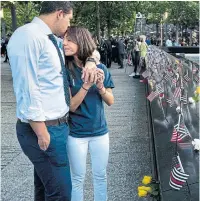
(48,7)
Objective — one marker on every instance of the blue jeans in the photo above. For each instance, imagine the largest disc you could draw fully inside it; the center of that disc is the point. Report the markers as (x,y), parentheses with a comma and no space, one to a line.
(52,178)
(99,152)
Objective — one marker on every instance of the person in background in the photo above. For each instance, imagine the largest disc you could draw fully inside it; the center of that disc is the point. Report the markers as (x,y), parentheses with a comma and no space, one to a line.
(168,42)
(148,41)
(114,50)
(143,52)
(183,43)
(88,127)
(103,50)
(109,52)
(174,43)
(121,52)
(130,52)
(5,49)
(135,73)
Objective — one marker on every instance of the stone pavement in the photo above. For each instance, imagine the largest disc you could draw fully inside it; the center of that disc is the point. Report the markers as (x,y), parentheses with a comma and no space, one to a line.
(129,143)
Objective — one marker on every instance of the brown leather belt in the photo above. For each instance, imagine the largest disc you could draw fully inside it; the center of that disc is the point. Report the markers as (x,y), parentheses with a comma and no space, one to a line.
(54,122)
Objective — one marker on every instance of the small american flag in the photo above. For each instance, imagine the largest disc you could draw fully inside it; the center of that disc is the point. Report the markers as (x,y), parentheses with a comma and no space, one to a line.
(170,101)
(186,78)
(184,99)
(194,69)
(145,74)
(177,175)
(196,78)
(167,77)
(177,92)
(159,88)
(174,81)
(179,134)
(152,95)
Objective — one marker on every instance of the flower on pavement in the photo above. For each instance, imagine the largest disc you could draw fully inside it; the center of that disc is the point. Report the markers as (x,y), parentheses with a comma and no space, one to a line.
(142,193)
(145,188)
(146,180)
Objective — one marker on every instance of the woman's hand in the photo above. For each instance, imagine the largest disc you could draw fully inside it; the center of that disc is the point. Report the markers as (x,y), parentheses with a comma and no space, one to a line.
(91,80)
(89,72)
(100,78)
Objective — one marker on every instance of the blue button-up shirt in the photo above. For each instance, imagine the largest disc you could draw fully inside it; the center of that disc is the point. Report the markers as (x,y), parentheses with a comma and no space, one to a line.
(36,72)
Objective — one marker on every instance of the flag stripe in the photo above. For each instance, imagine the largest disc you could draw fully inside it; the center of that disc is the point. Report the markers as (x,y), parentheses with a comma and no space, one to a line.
(174,185)
(176,180)
(152,95)
(145,74)
(180,175)
(177,92)
(177,176)
(186,78)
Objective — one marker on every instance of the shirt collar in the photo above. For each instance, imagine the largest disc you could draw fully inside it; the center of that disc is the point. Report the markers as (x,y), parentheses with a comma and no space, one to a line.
(44,27)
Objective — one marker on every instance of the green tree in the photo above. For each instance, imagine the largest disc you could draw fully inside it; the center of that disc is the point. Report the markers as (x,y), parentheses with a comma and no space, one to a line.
(184,14)
(18,13)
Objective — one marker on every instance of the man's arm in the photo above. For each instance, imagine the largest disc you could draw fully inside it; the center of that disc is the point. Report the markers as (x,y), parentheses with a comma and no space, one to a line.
(24,57)
(41,131)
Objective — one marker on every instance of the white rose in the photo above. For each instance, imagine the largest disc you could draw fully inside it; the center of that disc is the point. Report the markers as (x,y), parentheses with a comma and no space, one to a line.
(191,100)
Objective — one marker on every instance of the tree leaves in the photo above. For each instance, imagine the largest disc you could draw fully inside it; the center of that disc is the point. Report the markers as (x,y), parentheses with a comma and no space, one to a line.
(117,17)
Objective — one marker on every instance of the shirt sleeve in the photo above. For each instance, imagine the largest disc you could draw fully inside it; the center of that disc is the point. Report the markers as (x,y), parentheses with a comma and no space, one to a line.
(24,57)
(108,81)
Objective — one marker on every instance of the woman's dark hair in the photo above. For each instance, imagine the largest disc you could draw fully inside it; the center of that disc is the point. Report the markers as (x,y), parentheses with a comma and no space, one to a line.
(48,7)
(86,46)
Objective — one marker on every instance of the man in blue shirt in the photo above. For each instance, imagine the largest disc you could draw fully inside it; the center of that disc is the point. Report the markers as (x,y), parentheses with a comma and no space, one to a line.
(42,95)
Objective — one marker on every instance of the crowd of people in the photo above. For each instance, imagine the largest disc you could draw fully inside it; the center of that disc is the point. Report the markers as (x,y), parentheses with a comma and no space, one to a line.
(116,49)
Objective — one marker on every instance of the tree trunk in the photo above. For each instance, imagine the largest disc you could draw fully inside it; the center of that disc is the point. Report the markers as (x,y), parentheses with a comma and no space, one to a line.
(166,28)
(109,24)
(190,41)
(98,21)
(177,33)
(157,30)
(3,27)
(182,27)
(14,17)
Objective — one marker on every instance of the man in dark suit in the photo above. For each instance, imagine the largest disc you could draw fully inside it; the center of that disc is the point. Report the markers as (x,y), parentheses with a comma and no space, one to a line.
(109,53)
(121,52)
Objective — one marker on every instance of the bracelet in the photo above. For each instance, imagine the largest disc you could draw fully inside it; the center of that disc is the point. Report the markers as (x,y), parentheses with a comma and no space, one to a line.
(91,59)
(85,88)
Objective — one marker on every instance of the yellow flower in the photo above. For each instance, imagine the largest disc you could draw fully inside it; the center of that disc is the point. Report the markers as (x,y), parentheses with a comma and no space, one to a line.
(146,180)
(140,187)
(198,90)
(145,188)
(142,193)
(177,61)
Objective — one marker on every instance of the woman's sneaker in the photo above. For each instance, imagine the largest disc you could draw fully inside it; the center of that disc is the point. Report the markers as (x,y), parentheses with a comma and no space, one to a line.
(132,74)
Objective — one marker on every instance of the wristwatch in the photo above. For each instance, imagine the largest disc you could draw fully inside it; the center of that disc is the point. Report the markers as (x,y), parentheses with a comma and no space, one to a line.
(91,59)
